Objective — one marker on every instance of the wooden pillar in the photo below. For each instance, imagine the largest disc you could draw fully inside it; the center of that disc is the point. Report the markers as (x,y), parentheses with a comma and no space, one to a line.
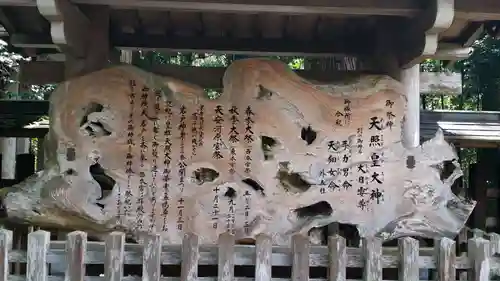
(410,78)
(8,149)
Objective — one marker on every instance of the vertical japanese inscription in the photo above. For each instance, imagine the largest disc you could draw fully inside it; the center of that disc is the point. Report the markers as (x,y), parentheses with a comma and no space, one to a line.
(143,150)
(218,120)
(217,154)
(154,155)
(359,140)
(347,112)
(371,176)
(249,138)
(389,114)
(346,147)
(129,157)
(167,161)
(201,126)
(334,149)
(182,167)
(194,133)
(246,226)
(376,136)
(233,139)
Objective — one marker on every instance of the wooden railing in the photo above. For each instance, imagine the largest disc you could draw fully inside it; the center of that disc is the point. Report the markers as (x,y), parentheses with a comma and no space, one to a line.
(76,252)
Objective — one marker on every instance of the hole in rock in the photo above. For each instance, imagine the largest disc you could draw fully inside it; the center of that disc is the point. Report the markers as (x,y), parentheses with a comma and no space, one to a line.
(71,172)
(308,134)
(70,154)
(99,175)
(263,93)
(230,193)
(321,208)
(203,175)
(91,108)
(254,185)
(96,129)
(292,182)
(267,144)
(447,169)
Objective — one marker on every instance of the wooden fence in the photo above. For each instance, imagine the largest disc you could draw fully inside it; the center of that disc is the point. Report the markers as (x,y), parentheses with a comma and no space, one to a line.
(76,252)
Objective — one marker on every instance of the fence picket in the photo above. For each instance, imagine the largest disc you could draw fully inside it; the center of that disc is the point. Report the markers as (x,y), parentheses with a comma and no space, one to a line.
(494,244)
(445,255)
(38,246)
(114,256)
(76,247)
(226,257)
(263,258)
(76,252)
(372,252)
(190,255)
(338,258)
(408,254)
(479,251)
(5,247)
(151,259)
(300,262)
(477,233)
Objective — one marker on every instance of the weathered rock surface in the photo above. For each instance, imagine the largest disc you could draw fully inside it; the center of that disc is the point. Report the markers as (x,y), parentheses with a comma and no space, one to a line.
(274,154)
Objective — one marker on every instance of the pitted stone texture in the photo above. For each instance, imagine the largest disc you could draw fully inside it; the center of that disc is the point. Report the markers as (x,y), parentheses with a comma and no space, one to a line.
(294,184)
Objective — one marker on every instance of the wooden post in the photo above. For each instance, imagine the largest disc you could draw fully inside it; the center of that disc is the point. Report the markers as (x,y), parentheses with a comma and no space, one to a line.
(300,259)
(76,248)
(444,253)
(8,148)
(263,260)
(411,128)
(5,248)
(479,258)
(226,257)
(151,258)
(190,255)
(408,254)
(114,256)
(337,258)
(38,247)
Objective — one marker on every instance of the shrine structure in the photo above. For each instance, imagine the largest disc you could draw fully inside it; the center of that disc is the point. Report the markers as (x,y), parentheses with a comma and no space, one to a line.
(73,39)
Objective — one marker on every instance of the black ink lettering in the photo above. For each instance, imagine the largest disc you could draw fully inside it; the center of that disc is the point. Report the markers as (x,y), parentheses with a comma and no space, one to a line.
(167,164)
(375,123)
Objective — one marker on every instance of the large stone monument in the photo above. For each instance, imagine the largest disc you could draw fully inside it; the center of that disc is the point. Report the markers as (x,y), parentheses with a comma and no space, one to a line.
(274,154)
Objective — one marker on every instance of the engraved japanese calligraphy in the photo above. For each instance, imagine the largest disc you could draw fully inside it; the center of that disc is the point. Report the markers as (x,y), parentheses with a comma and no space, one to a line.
(154,159)
(182,167)
(142,157)
(273,154)
(130,156)
(167,161)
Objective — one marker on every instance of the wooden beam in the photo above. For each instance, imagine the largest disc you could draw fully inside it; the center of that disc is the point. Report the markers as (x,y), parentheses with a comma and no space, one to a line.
(480,10)
(355,44)
(47,72)
(297,7)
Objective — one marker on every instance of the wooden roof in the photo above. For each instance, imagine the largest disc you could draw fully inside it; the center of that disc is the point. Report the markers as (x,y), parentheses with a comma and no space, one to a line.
(292,27)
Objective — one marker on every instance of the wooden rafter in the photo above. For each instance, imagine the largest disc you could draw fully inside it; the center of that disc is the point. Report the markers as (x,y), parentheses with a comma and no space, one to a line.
(339,7)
